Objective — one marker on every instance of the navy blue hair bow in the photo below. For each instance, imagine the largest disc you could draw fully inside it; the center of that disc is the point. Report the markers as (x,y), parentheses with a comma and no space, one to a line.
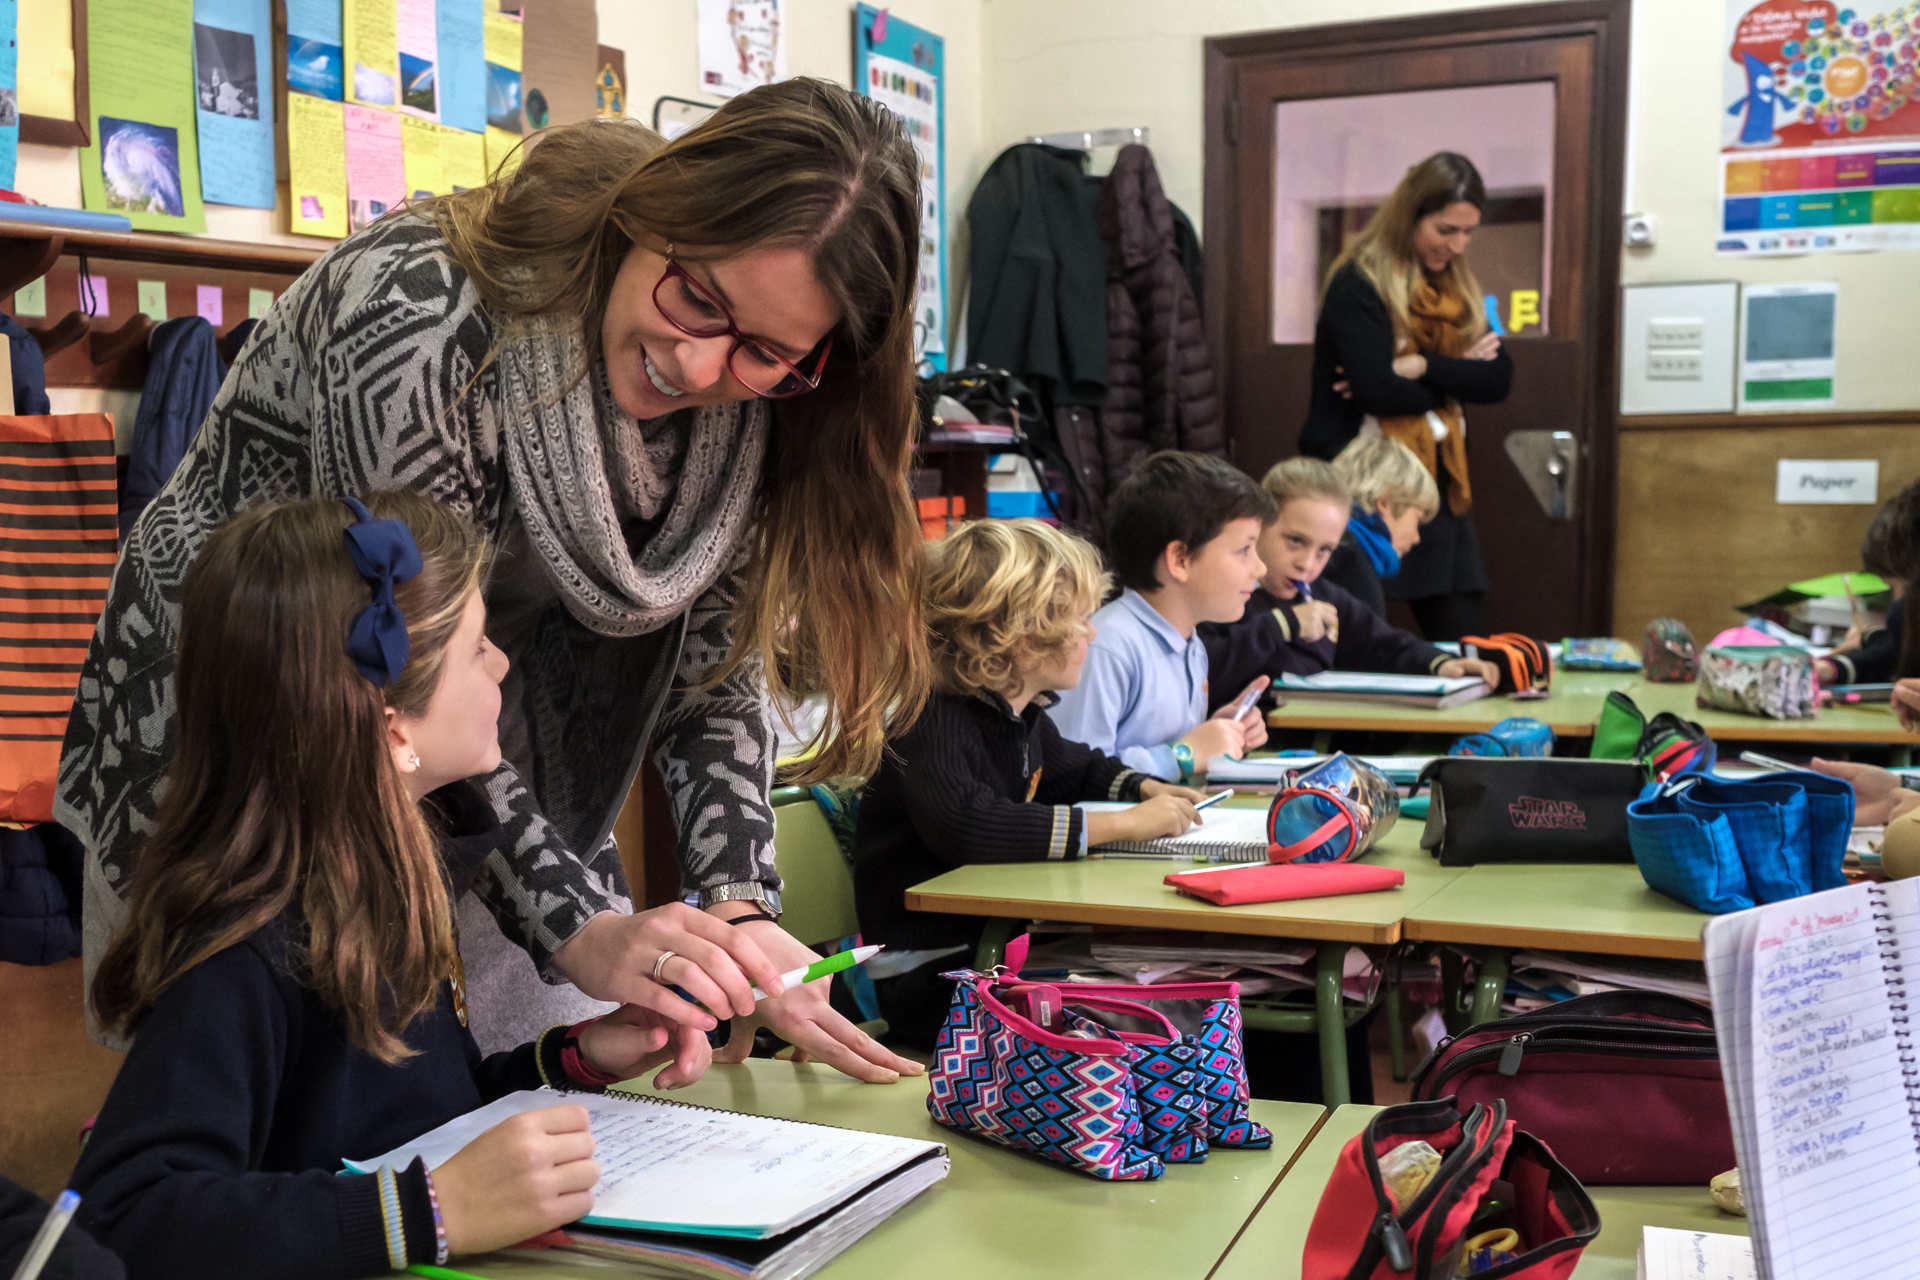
(385,553)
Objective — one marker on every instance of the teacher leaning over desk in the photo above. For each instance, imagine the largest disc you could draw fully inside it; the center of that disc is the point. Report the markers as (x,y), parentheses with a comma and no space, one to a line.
(673,383)
(1400,344)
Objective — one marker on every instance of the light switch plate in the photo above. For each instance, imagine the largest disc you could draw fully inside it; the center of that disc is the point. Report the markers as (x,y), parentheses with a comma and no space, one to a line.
(1691,368)
(1674,366)
(1685,333)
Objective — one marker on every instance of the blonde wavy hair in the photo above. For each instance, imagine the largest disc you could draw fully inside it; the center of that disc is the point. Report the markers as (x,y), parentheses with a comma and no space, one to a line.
(1378,469)
(1003,595)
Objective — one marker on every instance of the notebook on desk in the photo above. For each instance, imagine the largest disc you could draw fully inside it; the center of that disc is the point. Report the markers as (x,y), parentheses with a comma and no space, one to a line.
(1384,690)
(1225,835)
(694,1191)
(1811,1001)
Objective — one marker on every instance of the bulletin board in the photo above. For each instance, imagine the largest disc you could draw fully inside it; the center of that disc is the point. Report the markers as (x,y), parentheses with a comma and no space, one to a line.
(904,68)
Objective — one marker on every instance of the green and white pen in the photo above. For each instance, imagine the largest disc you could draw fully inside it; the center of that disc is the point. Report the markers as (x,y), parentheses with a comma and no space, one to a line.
(821,968)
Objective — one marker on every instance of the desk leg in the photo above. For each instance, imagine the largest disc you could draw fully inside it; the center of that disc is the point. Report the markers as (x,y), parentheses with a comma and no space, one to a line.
(1332,1024)
(993,944)
(1900,756)
(1396,1034)
(1323,742)
(1491,984)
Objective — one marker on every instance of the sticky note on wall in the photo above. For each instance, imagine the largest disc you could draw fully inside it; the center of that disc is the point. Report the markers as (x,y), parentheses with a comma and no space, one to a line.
(32,300)
(259,302)
(153,299)
(209,304)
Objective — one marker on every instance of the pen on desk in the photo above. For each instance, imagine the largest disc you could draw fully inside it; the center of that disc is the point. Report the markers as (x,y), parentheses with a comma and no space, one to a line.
(1768,762)
(1215,798)
(48,1236)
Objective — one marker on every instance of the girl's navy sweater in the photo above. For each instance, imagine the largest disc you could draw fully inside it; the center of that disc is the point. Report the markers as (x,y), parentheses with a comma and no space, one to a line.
(219,1148)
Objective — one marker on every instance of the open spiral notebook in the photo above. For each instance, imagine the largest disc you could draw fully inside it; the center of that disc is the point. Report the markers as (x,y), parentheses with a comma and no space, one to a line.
(1222,835)
(1823,1081)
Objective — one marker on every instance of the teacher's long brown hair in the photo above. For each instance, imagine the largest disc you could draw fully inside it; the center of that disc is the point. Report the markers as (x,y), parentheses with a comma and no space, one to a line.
(834,605)
(282,795)
(1383,251)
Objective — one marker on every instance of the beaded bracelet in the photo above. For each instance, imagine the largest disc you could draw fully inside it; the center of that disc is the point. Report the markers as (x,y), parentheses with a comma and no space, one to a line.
(439,1224)
(390,1212)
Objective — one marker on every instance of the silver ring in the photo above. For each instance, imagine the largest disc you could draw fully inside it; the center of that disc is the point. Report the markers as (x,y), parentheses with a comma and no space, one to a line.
(660,964)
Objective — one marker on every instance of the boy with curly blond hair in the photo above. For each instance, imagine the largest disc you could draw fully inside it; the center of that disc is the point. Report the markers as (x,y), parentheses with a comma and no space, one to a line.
(983,775)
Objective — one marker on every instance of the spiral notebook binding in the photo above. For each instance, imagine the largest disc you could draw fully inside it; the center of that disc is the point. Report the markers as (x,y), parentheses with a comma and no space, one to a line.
(1898,1001)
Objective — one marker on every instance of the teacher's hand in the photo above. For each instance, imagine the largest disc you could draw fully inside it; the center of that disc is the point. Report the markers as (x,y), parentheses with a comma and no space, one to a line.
(614,957)
(803,1018)
(1486,348)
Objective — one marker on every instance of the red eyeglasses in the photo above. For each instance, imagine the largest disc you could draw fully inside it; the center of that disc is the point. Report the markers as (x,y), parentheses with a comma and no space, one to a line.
(694,311)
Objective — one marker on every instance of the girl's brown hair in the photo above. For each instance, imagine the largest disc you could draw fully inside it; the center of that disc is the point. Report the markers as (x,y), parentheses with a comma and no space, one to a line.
(283,795)
(837,562)
(1383,251)
(1004,594)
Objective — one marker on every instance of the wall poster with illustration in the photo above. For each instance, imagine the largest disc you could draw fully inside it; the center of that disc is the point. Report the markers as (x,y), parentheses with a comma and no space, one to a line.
(1820,147)
(904,67)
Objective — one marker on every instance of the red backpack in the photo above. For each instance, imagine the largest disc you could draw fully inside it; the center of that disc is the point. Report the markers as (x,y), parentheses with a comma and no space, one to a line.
(1525,665)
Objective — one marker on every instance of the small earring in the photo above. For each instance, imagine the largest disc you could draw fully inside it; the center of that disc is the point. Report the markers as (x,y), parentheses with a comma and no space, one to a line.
(413,760)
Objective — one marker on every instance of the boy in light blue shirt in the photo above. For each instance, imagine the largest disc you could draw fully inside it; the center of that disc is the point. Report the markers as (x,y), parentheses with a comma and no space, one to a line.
(1181,530)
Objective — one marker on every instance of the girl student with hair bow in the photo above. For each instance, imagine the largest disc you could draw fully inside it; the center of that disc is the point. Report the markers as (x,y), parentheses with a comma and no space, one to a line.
(673,384)
(290,962)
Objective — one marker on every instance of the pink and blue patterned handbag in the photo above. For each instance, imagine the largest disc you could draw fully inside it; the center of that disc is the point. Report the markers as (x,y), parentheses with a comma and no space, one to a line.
(1103,1079)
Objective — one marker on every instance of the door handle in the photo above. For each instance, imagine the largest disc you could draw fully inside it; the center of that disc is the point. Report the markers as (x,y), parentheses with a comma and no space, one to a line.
(1547,461)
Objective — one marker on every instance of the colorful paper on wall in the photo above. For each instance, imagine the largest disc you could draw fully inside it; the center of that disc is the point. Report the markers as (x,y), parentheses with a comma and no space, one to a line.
(316,166)
(373,52)
(419,58)
(9,91)
(316,56)
(503,154)
(420,158)
(559,62)
(31,300)
(903,67)
(151,299)
(504,41)
(210,304)
(259,302)
(1821,145)
(376,165)
(742,45)
(461,29)
(144,161)
(232,53)
(46,73)
(463,157)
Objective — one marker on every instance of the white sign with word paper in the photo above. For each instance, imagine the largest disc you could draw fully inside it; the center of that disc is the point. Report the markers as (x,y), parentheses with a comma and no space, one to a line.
(1841,482)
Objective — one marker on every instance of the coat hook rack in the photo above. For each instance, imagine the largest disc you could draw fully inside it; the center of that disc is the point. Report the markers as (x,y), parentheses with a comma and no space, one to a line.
(1088,141)
(60,335)
(105,348)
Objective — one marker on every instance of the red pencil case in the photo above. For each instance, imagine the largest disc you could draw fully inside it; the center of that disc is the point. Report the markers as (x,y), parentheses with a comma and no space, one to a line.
(1284,882)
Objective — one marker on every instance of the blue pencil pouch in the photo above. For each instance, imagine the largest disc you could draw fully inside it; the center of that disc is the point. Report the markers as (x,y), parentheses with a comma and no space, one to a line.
(1687,856)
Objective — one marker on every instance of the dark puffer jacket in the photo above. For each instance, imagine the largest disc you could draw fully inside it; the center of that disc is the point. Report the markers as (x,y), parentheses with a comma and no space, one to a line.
(1160,388)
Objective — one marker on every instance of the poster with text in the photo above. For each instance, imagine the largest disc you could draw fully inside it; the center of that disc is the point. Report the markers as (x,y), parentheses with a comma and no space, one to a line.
(144,160)
(903,67)
(233,106)
(742,45)
(1820,145)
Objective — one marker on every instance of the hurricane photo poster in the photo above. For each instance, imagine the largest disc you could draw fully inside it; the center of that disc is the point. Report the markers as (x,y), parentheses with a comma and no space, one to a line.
(1820,145)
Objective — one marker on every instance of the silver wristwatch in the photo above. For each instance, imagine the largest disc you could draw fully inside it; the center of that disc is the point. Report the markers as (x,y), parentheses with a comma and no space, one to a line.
(746,891)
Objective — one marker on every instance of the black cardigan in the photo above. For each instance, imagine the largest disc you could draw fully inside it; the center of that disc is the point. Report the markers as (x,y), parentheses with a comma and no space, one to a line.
(970,782)
(217,1151)
(1264,643)
(1874,661)
(1355,333)
(1349,569)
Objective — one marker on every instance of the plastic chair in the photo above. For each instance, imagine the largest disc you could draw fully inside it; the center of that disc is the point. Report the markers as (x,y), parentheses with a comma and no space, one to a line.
(819,884)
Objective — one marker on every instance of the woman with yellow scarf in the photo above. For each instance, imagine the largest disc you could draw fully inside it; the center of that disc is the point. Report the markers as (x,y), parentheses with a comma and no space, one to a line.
(1400,345)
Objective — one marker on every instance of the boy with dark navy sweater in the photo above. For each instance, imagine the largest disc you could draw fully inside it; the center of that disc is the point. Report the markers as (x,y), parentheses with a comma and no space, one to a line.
(983,775)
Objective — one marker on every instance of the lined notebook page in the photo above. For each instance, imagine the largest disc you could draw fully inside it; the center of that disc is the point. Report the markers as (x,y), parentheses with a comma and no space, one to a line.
(1218,825)
(1834,1138)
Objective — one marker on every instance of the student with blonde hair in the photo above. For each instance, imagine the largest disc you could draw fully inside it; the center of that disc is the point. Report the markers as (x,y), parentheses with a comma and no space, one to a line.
(983,775)
(1297,622)
(1393,495)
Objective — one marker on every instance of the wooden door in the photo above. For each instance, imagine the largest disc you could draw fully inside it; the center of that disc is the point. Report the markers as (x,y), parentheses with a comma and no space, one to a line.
(1552,576)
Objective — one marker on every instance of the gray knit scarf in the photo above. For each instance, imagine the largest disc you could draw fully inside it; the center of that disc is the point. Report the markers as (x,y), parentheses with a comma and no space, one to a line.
(579,467)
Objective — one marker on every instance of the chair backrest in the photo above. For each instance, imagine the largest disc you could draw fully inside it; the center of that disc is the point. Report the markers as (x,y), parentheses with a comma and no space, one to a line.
(819,885)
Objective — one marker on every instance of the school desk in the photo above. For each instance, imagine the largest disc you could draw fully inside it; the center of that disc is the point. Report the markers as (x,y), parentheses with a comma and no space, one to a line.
(1130,893)
(1571,711)
(1861,722)
(997,1213)
(1271,1246)
(1599,907)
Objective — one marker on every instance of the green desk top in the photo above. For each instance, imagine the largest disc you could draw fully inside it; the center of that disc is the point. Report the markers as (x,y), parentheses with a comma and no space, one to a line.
(998,1214)
(1869,723)
(1272,1245)
(1603,907)
(1131,893)
(1571,711)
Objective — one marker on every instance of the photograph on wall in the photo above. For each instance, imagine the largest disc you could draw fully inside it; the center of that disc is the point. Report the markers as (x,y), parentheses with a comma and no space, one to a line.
(742,45)
(417,85)
(1820,144)
(503,98)
(228,83)
(141,166)
(316,64)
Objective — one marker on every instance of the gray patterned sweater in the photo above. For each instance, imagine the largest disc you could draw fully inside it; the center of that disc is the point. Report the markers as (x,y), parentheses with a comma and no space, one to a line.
(354,382)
